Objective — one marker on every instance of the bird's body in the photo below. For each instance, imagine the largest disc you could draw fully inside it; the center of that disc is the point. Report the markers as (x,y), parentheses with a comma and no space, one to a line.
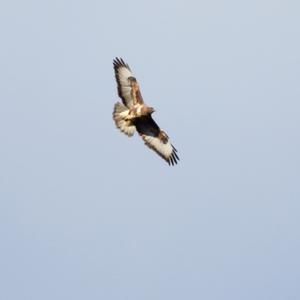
(138,110)
(134,115)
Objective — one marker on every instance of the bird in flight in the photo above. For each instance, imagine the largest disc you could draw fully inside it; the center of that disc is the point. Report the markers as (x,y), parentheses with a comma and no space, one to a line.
(134,115)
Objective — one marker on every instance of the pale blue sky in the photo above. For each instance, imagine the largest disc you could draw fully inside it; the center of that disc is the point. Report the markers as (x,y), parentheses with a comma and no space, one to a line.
(87,213)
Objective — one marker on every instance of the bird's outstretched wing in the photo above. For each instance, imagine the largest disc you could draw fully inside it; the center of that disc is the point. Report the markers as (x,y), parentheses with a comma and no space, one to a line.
(156,139)
(128,87)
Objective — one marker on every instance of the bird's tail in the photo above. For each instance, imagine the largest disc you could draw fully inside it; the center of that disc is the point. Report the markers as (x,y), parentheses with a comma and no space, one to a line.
(119,114)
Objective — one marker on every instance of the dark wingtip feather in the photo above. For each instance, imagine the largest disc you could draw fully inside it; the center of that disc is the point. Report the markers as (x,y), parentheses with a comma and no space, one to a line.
(173,158)
(119,62)
(176,156)
(174,148)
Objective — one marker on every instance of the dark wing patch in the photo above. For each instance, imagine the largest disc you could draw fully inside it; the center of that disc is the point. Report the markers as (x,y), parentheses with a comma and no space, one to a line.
(156,139)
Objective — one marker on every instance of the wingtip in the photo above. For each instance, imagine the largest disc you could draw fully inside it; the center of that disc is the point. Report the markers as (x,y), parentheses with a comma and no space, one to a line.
(116,61)
(173,158)
(119,62)
(175,155)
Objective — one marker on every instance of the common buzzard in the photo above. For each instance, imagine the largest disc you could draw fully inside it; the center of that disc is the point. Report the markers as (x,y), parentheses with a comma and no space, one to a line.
(134,114)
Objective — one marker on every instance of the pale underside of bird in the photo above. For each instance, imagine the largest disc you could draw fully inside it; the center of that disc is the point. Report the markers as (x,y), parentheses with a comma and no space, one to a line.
(134,115)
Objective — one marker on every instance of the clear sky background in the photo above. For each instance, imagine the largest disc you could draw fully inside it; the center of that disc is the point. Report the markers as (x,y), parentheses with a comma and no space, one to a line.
(87,213)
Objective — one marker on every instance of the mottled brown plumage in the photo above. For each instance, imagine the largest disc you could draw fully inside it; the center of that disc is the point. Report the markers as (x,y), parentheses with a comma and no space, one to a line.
(134,114)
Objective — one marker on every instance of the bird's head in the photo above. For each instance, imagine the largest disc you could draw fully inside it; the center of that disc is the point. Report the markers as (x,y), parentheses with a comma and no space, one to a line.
(151,110)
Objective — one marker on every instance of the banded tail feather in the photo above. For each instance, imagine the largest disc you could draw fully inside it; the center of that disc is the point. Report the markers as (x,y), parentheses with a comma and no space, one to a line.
(119,114)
